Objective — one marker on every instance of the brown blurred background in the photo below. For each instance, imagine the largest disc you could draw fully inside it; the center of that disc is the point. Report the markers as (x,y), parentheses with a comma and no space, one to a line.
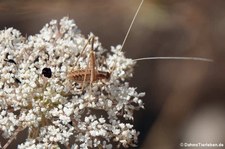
(185,100)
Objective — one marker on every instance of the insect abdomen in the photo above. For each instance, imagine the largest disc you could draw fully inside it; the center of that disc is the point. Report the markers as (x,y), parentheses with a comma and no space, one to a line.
(80,75)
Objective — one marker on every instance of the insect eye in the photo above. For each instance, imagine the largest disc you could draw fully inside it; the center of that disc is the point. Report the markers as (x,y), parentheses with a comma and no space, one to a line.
(47,72)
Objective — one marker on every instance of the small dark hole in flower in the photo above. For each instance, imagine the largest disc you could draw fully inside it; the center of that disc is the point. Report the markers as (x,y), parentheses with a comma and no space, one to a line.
(104,65)
(36,67)
(17,80)
(3,86)
(104,92)
(60,65)
(10,61)
(70,123)
(78,87)
(83,92)
(47,72)
(78,54)
(6,55)
(36,59)
(47,56)
(68,58)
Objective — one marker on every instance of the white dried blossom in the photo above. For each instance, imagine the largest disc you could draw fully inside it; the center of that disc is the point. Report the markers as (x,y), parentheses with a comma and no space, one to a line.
(37,95)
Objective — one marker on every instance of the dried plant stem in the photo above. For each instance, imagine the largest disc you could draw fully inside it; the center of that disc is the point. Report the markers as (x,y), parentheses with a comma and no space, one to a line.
(13,137)
(67,146)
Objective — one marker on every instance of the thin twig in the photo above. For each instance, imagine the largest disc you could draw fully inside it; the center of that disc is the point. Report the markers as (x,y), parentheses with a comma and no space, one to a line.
(13,137)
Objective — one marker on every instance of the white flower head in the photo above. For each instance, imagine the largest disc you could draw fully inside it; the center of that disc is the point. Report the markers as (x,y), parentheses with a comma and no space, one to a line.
(36,92)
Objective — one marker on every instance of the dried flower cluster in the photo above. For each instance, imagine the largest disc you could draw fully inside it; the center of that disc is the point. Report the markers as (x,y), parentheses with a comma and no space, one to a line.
(36,94)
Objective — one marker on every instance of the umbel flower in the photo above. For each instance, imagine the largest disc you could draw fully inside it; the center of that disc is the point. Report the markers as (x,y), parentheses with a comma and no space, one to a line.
(37,96)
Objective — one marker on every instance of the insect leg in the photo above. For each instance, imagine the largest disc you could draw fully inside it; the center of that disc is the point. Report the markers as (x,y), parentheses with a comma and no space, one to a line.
(92,64)
(85,76)
(82,51)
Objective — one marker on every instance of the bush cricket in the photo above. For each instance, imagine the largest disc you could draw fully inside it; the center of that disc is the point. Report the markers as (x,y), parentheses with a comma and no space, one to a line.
(91,73)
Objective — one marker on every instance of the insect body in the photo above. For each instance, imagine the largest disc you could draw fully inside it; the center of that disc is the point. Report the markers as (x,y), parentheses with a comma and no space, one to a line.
(82,75)
(91,73)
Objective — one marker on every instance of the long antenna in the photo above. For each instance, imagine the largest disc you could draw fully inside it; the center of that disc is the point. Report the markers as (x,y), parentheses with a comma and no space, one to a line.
(131,24)
(158,58)
(175,58)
